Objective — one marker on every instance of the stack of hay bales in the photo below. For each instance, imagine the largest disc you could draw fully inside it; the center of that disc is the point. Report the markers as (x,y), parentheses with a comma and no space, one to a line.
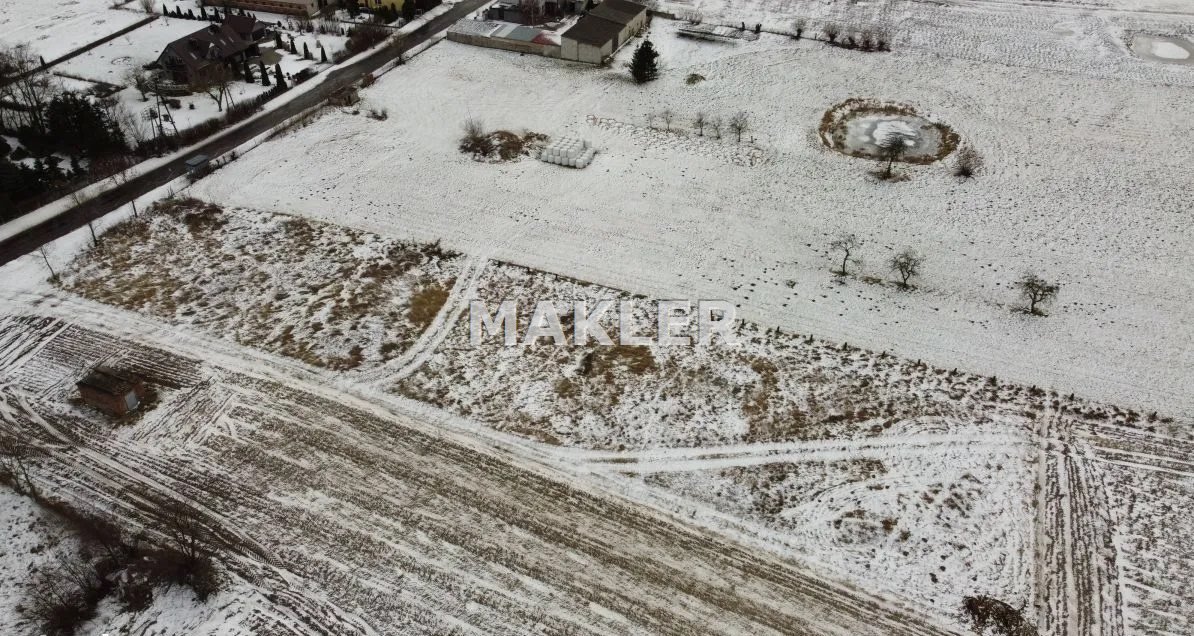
(569,152)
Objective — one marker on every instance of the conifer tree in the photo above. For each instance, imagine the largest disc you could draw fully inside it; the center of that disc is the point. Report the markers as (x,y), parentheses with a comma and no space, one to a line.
(645,65)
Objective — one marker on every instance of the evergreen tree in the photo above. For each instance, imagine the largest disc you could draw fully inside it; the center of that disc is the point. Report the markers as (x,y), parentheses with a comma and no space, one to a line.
(306,51)
(278,39)
(323,55)
(247,72)
(278,77)
(645,65)
(293,49)
(264,74)
(83,127)
(408,10)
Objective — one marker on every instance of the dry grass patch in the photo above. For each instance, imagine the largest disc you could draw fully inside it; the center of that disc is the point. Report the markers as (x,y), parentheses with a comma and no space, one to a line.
(326,295)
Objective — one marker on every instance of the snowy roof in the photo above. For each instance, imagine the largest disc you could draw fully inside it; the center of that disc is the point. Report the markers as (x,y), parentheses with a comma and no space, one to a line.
(108,381)
(621,11)
(208,45)
(476,27)
(594,30)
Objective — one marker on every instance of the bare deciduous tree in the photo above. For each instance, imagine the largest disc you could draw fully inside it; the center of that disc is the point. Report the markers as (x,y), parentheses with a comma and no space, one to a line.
(140,80)
(15,452)
(831,32)
(906,265)
(45,256)
(739,123)
(847,244)
(146,5)
(216,84)
(1036,291)
(667,116)
(798,27)
(26,84)
(891,148)
(714,125)
(699,121)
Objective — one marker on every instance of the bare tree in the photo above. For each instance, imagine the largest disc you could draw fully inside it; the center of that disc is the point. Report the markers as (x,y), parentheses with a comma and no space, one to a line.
(699,121)
(739,123)
(25,83)
(185,529)
(146,5)
(831,32)
(216,83)
(533,10)
(714,125)
(45,256)
(798,27)
(891,148)
(968,162)
(140,80)
(15,453)
(906,265)
(847,244)
(1036,291)
(667,116)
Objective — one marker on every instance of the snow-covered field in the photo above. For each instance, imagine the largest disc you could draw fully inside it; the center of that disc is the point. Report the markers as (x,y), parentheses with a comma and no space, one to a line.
(1083,186)
(922,445)
(56,27)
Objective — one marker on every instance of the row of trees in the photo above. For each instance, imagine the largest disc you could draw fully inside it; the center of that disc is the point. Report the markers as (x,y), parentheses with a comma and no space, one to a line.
(702,122)
(907,263)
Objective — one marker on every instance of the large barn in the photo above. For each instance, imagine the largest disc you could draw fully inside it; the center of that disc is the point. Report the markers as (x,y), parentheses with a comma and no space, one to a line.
(602,31)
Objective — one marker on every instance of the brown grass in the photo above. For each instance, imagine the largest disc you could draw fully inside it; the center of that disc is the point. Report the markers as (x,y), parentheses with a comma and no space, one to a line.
(426,304)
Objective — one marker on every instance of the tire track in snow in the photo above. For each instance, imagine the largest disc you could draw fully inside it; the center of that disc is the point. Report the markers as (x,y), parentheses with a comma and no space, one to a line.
(713,458)
(434,335)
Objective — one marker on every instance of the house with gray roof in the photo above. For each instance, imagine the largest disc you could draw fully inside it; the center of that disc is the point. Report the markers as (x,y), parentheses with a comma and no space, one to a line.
(194,58)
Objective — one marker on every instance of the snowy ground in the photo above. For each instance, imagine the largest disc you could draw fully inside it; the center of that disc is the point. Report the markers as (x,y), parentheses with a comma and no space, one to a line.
(922,445)
(56,27)
(1081,175)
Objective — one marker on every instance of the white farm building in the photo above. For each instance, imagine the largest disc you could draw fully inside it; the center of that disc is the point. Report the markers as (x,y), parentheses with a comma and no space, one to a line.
(602,30)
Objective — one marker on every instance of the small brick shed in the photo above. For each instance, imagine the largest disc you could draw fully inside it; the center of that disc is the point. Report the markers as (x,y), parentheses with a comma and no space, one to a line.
(111,391)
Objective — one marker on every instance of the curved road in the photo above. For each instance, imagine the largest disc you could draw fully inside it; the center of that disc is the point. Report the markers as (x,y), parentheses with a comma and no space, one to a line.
(335,79)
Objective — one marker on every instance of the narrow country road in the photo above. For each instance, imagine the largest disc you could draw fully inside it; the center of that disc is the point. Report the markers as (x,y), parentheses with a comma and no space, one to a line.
(334,80)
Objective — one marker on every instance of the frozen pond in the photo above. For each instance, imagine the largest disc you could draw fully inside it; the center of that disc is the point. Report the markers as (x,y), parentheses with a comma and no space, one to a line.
(1171,50)
(921,137)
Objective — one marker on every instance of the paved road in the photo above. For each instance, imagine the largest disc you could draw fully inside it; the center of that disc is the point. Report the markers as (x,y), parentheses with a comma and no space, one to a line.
(335,79)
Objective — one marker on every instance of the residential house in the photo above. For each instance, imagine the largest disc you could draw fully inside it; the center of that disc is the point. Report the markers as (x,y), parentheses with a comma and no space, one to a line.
(307,8)
(195,58)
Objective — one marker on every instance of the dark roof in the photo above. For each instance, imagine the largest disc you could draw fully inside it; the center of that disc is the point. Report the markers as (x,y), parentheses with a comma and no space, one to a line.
(208,45)
(109,381)
(244,25)
(593,30)
(621,11)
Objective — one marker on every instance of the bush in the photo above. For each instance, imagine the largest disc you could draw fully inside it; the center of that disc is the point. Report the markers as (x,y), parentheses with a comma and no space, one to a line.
(365,37)
(475,141)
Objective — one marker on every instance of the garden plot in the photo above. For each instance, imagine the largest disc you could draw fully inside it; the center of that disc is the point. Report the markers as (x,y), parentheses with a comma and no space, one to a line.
(57,27)
(329,296)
